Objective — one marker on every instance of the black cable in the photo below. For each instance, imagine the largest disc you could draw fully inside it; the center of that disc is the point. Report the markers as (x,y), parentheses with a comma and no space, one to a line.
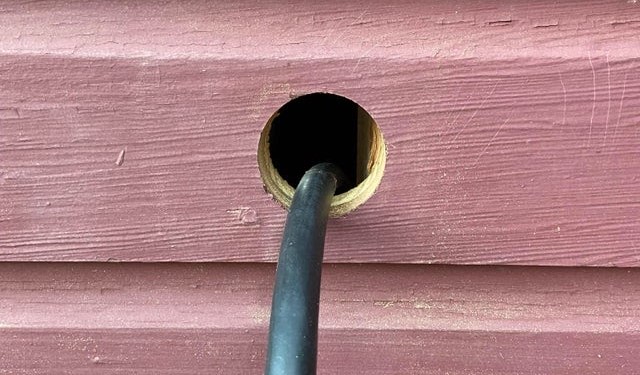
(293,330)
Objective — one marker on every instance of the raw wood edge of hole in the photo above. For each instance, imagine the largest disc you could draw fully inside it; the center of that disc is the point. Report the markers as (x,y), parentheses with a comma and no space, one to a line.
(341,204)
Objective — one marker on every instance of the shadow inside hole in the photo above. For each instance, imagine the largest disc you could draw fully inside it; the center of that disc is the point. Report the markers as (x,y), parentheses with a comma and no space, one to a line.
(318,128)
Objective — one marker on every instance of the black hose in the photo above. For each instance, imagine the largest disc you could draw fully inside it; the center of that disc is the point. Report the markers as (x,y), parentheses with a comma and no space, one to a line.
(293,330)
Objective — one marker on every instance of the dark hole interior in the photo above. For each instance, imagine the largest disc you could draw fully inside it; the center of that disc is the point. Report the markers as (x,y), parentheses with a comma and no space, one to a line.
(312,129)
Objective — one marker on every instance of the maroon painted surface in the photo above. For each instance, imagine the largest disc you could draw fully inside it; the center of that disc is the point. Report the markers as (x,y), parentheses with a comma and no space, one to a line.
(221,351)
(511,130)
(128,132)
(378,319)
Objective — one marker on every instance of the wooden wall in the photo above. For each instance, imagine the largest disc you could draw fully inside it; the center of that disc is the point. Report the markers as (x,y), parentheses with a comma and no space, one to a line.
(129,130)
(376,319)
(511,128)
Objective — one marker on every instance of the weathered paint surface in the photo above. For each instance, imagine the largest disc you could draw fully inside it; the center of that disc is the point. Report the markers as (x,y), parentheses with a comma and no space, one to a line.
(128,132)
(511,129)
(375,319)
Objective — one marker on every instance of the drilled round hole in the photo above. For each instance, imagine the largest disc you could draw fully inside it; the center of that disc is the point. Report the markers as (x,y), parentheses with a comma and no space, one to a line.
(317,128)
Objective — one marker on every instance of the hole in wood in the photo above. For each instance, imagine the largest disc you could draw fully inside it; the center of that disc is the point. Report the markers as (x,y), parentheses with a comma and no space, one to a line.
(316,128)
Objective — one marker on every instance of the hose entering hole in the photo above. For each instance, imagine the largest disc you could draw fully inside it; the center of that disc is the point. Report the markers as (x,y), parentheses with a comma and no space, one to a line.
(293,328)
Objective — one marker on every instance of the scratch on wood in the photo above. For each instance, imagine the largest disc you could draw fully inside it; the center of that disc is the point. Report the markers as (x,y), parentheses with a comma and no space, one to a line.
(444,22)
(593,108)
(546,25)
(627,22)
(9,113)
(120,158)
(473,115)
(624,87)
(500,22)
(453,109)
(363,56)
(464,106)
(384,304)
(359,19)
(606,123)
(491,140)
(367,52)
(564,92)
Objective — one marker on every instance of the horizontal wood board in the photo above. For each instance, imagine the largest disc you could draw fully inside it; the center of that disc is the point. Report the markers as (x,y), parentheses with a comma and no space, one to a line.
(85,318)
(129,130)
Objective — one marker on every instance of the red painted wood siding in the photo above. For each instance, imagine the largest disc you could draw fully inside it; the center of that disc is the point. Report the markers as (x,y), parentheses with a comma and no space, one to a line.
(374,319)
(128,133)
(511,129)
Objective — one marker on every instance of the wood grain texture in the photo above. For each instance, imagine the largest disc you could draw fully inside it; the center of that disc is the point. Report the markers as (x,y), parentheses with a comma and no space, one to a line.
(128,130)
(374,319)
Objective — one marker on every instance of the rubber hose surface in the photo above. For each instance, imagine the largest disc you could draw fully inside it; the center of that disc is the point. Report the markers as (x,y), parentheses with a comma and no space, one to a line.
(293,329)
